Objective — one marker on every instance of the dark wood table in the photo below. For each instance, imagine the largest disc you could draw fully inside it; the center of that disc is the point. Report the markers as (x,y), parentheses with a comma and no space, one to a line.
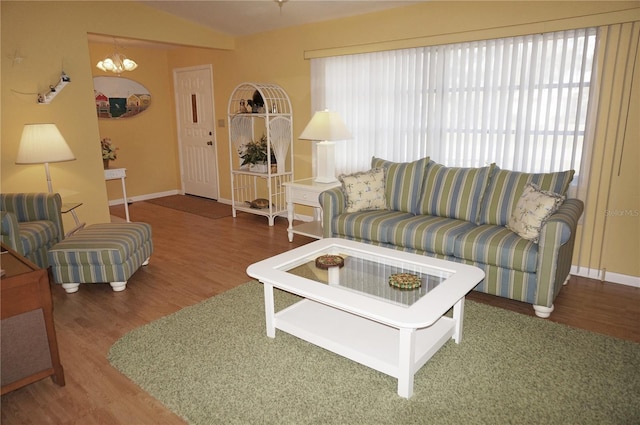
(29,348)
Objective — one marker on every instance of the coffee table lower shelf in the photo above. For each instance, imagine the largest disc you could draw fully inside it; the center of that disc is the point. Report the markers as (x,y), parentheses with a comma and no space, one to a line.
(378,346)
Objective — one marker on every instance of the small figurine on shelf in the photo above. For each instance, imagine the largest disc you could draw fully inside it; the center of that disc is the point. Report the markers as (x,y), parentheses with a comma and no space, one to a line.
(258,101)
(243,107)
(64,77)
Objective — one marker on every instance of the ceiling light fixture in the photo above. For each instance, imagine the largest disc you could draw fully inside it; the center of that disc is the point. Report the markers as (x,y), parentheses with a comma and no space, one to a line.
(116,63)
(280,3)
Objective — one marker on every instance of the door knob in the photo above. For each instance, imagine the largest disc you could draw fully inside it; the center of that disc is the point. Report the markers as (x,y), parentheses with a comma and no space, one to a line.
(210,143)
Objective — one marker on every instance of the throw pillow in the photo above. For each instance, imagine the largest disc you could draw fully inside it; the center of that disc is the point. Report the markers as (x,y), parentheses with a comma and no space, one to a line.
(403,182)
(453,192)
(364,190)
(532,210)
(505,186)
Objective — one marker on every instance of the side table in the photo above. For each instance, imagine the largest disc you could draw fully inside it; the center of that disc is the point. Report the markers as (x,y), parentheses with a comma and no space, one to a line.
(306,192)
(119,173)
(28,343)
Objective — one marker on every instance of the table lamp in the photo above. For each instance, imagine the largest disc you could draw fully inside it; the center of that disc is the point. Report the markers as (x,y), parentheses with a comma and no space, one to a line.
(42,144)
(326,127)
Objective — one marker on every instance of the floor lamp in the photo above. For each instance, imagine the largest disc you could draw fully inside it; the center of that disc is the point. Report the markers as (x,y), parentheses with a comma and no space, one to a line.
(326,127)
(42,144)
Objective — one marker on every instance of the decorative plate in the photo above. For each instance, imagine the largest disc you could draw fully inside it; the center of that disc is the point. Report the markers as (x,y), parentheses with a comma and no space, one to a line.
(328,261)
(405,281)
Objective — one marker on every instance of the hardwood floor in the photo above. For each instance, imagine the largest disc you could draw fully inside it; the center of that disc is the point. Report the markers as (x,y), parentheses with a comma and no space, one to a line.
(196,258)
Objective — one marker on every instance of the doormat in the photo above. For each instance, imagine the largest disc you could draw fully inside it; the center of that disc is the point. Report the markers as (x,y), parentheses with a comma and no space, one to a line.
(204,207)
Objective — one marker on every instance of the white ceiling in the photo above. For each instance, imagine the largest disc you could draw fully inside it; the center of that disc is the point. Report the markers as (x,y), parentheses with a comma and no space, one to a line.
(245,17)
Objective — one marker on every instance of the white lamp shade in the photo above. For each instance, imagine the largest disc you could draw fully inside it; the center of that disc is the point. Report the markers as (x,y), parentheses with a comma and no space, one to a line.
(326,125)
(43,143)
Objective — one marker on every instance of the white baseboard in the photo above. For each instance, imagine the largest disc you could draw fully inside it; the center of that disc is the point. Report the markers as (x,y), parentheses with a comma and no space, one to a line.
(303,217)
(131,199)
(603,275)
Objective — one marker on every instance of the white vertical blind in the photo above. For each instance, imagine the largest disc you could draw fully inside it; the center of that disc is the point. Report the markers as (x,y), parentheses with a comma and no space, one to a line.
(520,102)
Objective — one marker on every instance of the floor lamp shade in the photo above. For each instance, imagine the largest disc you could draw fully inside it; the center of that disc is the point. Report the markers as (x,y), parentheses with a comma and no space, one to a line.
(325,127)
(42,144)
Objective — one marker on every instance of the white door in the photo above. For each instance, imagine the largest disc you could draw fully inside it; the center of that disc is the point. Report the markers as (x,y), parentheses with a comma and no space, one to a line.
(196,131)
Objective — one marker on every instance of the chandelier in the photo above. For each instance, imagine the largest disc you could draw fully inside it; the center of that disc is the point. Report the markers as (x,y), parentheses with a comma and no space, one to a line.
(116,63)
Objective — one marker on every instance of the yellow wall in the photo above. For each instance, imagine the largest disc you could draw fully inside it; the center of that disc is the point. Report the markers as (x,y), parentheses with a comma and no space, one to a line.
(148,151)
(49,33)
(615,245)
(51,36)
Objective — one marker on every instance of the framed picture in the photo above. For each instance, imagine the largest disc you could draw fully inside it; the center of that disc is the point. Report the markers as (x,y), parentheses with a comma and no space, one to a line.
(119,97)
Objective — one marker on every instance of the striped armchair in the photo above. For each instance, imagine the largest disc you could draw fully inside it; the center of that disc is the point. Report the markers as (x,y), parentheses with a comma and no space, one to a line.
(31,224)
(463,215)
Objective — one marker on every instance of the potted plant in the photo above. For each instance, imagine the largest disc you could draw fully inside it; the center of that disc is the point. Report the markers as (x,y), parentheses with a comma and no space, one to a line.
(254,154)
(108,152)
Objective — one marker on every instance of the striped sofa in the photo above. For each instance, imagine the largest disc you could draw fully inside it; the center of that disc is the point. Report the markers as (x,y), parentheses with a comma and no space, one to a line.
(31,224)
(461,214)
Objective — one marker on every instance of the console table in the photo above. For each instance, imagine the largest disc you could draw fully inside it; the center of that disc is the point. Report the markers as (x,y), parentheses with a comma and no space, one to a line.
(28,343)
(119,173)
(306,192)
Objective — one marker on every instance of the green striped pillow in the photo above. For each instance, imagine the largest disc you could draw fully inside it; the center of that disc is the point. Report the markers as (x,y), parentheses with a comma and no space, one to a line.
(453,192)
(506,187)
(403,182)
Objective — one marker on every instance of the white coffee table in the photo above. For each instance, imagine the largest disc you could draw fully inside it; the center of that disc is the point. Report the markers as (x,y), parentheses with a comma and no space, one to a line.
(354,312)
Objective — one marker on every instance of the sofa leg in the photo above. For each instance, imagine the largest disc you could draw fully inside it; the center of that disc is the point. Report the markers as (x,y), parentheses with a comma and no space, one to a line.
(118,286)
(146,261)
(543,311)
(70,288)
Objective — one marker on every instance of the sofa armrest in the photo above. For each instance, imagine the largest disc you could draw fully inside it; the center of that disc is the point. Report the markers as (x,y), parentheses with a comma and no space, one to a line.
(567,217)
(10,230)
(555,250)
(34,207)
(333,203)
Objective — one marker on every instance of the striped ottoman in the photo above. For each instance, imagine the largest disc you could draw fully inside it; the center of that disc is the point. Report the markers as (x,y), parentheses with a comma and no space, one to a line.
(109,252)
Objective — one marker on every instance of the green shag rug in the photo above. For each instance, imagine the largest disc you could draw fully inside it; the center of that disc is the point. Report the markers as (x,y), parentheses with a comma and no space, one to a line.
(212,363)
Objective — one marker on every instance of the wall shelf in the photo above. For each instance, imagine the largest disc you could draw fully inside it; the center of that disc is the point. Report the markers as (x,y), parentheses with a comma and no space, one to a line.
(45,99)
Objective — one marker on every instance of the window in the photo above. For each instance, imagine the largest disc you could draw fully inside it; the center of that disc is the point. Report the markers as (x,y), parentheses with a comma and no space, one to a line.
(521,102)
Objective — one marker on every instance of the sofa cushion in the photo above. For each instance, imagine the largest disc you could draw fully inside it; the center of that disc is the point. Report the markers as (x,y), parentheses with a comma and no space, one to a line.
(37,234)
(497,246)
(532,209)
(403,182)
(436,235)
(453,192)
(366,225)
(505,187)
(365,190)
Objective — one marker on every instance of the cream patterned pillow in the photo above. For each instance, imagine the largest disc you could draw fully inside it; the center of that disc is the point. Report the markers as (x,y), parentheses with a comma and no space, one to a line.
(533,208)
(365,190)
